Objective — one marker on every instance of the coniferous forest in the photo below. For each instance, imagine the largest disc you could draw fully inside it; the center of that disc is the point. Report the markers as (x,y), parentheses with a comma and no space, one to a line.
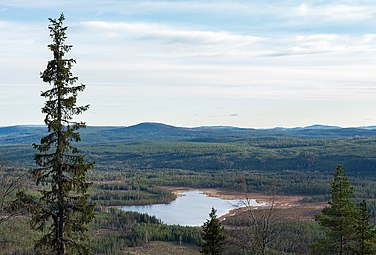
(62,185)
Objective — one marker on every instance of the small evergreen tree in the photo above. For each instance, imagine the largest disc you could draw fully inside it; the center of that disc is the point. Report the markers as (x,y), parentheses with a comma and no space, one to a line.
(338,218)
(365,243)
(213,235)
(63,209)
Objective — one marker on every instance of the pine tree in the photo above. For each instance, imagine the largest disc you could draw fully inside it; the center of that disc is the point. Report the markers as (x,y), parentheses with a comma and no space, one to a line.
(63,209)
(337,219)
(365,243)
(213,235)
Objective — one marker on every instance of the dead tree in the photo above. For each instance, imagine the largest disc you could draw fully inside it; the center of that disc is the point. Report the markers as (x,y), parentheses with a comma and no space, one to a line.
(11,180)
(256,221)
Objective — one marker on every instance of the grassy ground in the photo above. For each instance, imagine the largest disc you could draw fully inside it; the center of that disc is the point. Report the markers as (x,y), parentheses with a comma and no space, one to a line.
(163,248)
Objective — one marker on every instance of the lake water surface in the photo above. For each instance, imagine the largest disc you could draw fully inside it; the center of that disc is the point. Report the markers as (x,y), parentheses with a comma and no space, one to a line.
(190,209)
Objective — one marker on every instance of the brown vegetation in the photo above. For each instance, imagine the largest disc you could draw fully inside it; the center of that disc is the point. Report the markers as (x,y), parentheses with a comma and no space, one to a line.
(288,207)
(163,248)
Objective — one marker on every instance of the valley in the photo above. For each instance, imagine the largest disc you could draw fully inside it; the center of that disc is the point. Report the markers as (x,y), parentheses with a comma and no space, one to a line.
(153,164)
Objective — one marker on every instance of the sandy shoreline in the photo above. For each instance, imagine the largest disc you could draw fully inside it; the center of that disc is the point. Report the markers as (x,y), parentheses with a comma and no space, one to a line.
(291,206)
(280,200)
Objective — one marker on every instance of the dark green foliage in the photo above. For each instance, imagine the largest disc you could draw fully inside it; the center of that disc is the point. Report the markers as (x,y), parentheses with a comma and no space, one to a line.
(162,232)
(347,228)
(286,237)
(161,132)
(338,218)
(249,153)
(63,209)
(293,236)
(130,192)
(133,229)
(261,153)
(213,235)
(285,182)
(365,241)
(110,231)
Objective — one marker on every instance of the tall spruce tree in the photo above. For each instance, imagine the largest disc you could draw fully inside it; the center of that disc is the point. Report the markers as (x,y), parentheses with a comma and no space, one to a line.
(338,219)
(63,209)
(213,235)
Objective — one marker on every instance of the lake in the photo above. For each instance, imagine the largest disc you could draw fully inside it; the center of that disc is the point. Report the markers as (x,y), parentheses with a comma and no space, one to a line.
(192,208)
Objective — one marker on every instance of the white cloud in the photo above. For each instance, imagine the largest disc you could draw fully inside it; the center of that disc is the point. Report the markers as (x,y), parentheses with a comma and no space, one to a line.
(313,37)
(19,37)
(302,9)
(159,42)
(333,43)
(347,12)
(196,5)
(115,29)
(42,4)
(243,83)
(369,38)
(337,12)
(131,7)
(201,53)
(4,24)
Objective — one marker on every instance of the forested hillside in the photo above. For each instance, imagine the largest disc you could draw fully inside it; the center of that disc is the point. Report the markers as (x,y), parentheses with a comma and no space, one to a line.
(157,146)
(157,131)
(135,164)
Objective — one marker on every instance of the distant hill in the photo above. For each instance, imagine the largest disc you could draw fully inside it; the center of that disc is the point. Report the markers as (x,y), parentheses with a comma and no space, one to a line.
(153,130)
(21,134)
(317,126)
(24,134)
(218,127)
(368,127)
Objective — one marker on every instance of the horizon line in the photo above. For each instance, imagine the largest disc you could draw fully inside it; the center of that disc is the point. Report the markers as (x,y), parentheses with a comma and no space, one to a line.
(203,126)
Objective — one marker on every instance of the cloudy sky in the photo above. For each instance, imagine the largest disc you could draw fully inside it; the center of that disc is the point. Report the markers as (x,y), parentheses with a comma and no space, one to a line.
(261,63)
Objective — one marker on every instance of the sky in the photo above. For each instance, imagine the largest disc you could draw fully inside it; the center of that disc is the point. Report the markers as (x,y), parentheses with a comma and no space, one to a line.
(259,64)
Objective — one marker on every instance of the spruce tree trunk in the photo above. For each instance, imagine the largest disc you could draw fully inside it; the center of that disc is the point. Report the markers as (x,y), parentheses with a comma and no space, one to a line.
(59,153)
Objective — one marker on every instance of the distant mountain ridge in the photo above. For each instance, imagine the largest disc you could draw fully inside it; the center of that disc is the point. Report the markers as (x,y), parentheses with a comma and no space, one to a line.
(158,131)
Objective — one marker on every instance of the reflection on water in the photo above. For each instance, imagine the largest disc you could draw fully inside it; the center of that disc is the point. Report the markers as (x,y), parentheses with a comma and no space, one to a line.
(191,209)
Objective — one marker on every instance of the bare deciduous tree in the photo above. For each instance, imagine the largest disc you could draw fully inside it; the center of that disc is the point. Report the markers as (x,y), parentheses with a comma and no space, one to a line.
(11,180)
(256,221)
(260,220)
